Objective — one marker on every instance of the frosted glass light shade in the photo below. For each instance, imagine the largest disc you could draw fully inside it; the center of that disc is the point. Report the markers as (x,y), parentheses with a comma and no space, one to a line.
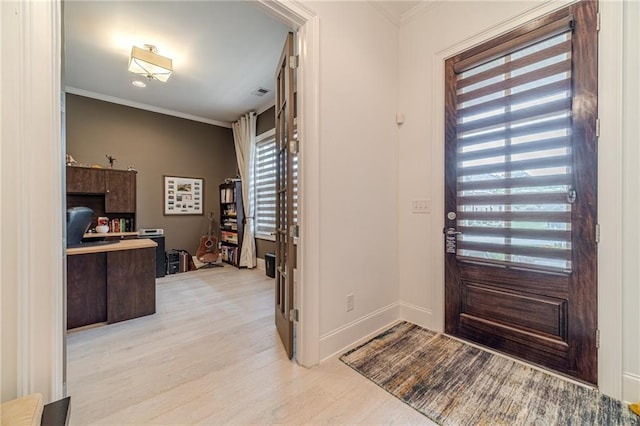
(148,63)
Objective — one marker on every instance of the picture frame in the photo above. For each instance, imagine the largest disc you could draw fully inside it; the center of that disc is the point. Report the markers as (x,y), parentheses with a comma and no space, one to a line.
(183,196)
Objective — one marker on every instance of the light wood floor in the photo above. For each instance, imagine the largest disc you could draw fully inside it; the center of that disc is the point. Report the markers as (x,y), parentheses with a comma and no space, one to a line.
(211,355)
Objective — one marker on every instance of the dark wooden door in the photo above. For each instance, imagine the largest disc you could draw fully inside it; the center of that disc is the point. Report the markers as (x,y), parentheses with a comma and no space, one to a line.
(285,249)
(120,191)
(520,197)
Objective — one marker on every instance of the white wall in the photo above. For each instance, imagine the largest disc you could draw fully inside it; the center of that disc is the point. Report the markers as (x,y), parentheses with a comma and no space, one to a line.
(358,169)
(447,28)
(436,29)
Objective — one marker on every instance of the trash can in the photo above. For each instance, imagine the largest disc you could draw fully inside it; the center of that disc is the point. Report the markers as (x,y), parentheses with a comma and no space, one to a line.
(270,264)
(173,262)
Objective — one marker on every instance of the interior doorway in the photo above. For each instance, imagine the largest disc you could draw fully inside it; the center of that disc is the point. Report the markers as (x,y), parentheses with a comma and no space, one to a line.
(303,20)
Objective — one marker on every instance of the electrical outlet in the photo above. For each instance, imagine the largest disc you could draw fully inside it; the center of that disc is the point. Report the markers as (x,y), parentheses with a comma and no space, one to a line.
(349,302)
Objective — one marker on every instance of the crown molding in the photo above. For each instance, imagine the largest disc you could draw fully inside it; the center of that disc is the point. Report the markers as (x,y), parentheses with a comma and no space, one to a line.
(418,10)
(138,105)
(385,12)
(407,16)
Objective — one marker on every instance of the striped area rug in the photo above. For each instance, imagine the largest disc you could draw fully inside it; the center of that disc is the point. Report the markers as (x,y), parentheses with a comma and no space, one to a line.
(453,383)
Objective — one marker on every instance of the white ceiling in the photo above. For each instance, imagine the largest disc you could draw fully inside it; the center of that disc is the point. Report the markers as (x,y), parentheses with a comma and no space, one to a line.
(221,50)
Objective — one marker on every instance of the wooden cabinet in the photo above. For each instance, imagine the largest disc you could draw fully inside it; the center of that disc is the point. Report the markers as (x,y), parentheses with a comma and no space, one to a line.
(120,191)
(83,180)
(86,289)
(231,222)
(131,285)
(109,285)
(107,192)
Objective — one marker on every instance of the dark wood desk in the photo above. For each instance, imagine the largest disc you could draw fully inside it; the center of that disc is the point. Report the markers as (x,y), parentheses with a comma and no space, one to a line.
(111,283)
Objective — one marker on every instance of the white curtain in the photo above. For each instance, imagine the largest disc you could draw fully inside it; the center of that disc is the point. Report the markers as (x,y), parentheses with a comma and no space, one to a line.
(244,135)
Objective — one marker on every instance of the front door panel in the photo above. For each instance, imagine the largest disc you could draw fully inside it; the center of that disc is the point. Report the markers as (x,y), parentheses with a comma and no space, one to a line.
(520,219)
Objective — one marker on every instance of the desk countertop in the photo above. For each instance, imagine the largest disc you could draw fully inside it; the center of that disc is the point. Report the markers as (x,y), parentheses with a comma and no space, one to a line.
(109,234)
(120,245)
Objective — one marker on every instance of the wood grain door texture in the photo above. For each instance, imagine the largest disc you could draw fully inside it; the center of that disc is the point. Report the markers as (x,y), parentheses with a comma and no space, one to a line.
(83,180)
(120,191)
(285,249)
(520,193)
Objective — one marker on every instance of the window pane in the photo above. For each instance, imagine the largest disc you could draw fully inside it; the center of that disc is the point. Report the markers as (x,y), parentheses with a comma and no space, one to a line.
(265,186)
(515,158)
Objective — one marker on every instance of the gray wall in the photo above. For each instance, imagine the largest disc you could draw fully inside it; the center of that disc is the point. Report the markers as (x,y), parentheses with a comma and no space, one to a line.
(155,145)
(266,120)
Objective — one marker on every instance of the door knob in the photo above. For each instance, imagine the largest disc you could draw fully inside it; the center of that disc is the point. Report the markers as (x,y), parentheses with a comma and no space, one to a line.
(452,231)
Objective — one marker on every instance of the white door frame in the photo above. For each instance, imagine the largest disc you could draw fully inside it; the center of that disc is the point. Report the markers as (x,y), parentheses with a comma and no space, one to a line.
(32,212)
(306,24)
(31,42)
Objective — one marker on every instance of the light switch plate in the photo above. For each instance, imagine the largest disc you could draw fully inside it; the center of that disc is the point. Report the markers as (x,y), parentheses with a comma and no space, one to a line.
(421,205)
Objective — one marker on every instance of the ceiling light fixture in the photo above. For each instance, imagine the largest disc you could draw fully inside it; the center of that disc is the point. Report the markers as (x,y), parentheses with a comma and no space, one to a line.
(147,62)
(138,83)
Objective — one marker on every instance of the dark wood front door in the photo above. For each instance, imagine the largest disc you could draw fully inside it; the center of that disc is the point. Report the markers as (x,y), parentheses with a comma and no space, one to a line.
(285,249)
(520,197)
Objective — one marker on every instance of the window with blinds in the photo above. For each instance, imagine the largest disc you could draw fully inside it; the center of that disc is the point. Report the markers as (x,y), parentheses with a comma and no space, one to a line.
(265,188)
(514,152)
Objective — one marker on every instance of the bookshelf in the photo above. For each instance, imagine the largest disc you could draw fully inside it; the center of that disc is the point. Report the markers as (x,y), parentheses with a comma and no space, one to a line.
(231,222)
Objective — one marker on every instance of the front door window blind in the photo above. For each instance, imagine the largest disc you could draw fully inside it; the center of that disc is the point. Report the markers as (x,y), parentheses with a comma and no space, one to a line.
(514,156)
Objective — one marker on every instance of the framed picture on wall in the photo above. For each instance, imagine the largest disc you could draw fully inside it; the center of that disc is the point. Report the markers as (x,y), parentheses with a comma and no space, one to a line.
(183,195)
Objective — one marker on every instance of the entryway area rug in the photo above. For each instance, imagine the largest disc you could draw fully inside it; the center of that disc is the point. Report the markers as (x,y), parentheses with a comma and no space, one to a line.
(454,383)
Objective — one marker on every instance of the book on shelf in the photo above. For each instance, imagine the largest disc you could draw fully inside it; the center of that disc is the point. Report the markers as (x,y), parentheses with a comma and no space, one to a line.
(229,237)
(120,225)
(230,224)
(229,254)
(227,195)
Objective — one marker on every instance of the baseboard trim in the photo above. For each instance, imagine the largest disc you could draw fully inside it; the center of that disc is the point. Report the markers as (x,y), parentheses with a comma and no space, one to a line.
(630,387)
(350,335)
(261,264)
(417,315)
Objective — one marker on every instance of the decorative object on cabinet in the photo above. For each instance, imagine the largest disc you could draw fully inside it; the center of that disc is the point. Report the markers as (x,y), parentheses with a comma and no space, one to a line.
(231,222)
(183,195)
(111,159)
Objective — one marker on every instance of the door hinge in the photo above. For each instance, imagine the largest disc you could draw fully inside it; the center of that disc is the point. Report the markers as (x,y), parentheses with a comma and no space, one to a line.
(598,21)
(294,146)
(597,127)
(294,315)
(597,339)
(293,62)
(597,233)
(294,231)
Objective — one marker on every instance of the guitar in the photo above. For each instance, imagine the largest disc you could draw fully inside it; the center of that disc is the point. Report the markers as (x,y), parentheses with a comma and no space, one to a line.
(208,250)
